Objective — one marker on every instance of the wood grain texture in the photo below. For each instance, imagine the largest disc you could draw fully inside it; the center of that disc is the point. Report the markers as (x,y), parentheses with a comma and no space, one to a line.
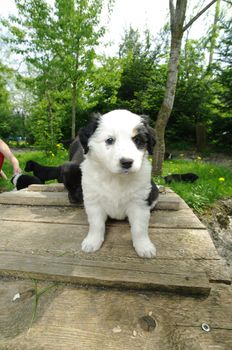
(186,258)
(40,241)
(99,274)
(167,201)
(79,318)
(66,239)
(77,216)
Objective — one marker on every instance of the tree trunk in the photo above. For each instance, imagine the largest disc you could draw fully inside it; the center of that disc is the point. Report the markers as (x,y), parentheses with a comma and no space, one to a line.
(50,116)
(201,137)
(177,17)
(74,99)
(177,22)
(215,30)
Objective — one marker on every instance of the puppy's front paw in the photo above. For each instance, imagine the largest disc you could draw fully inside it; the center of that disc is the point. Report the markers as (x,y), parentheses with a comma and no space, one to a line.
(145,249)
(91,243)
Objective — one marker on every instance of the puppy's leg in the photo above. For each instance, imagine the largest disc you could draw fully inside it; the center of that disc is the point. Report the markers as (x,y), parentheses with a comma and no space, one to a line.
(94,239)
(139,220)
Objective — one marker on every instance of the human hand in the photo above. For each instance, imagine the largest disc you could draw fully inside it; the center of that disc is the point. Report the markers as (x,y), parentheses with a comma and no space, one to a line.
(16,167)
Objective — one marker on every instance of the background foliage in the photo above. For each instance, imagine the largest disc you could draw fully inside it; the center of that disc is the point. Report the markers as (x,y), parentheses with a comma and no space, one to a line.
(66,80)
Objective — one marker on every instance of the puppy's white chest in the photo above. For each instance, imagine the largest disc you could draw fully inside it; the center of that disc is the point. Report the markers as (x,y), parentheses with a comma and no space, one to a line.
(115,206)
(112,198)
(114,193)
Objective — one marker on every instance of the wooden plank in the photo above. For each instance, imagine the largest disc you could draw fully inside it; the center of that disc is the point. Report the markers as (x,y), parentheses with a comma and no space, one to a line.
(78,318)
(185,218)
(185,245)
(66,239)
(53,187)
(24,197)
(77,216)
(88,272)
(168,201)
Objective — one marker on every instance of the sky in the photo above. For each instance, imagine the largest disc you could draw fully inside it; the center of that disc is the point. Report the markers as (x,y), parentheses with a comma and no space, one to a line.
(140,14)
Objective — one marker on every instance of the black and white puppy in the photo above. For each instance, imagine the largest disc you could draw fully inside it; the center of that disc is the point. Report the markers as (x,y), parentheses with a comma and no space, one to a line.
(116,177)
(23,181)
(43,172)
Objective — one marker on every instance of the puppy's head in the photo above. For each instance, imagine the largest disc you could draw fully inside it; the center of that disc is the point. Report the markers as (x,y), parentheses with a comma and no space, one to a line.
(29,165)
(118,140)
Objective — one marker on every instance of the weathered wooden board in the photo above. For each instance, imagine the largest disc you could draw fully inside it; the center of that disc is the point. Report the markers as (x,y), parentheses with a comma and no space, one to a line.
(58,187)
(167,201)
(79,318)
(52,187)
(52,251)
(43,242)
(77,216)
(66,239)
(99,274)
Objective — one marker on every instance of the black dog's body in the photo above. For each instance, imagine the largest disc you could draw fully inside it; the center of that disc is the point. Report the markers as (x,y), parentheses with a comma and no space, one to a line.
(22,181)
(68,173)
(44,173)
(76,153)
(71,175)
(188,177)
(71,172)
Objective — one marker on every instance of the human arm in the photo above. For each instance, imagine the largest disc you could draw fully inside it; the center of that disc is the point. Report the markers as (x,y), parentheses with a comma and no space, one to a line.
(5,150)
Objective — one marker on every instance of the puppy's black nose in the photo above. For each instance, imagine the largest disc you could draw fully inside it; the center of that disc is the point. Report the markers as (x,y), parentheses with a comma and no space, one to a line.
(126,163)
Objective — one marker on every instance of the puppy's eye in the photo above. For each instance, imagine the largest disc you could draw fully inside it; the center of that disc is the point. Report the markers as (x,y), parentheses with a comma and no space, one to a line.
(110,141)
(140,141)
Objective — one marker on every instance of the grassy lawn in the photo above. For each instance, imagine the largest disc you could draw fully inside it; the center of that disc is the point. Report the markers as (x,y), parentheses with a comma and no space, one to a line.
(215,182)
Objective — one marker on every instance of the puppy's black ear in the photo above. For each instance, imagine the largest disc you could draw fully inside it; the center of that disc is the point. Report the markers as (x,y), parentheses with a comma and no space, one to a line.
(28,166)
(150,133)
(87,131)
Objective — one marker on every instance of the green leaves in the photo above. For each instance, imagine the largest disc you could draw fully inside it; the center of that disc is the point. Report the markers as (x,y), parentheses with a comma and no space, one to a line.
(58,43)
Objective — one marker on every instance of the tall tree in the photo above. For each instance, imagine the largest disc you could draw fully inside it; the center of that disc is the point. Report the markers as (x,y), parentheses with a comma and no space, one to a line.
(214,33)
(59,42)
(178,27)
(77,33)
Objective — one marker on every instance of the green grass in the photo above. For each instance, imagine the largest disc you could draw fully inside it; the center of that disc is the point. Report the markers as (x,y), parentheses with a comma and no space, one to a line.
(199,195)
(215,182)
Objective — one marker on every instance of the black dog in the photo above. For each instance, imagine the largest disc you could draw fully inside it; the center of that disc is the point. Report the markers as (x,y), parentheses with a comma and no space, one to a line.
(76,152)
(44,173)
(188,177)
(71,175)
(22,181)
(71,172)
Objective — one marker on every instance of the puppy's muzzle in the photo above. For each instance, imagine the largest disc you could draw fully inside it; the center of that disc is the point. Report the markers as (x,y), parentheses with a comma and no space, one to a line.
(126,163)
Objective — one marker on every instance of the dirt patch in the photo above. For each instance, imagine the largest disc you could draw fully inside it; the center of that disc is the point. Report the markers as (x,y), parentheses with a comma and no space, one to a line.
(218,220)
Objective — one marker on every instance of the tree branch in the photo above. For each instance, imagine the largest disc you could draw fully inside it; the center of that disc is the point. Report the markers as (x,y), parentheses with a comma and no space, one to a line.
(198,15)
